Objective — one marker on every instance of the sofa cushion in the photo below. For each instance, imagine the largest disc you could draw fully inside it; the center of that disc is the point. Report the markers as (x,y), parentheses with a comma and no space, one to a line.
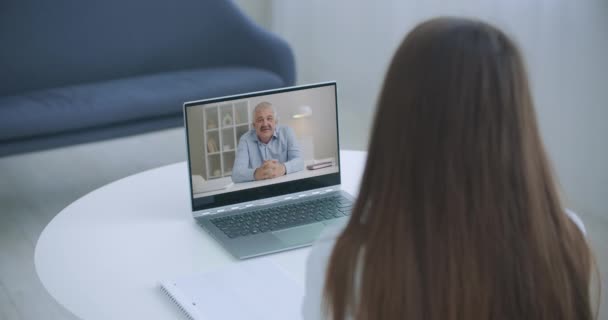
(110,102)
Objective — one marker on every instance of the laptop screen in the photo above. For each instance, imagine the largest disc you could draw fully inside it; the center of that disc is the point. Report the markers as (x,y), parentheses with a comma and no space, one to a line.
(264,144)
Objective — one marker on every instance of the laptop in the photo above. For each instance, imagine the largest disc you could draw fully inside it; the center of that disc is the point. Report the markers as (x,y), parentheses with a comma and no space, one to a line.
(271,162)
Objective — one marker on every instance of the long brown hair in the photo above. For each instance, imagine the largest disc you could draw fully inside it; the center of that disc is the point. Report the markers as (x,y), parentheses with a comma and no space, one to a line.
(458,216)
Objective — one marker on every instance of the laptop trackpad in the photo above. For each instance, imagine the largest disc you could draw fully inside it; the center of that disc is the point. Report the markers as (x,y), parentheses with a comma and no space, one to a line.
(300,235)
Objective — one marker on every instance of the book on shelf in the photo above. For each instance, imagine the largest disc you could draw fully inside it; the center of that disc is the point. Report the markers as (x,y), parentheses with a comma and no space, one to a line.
(321,163)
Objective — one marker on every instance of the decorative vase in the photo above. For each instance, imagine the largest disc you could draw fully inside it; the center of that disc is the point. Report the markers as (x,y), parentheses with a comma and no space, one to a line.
(227,121)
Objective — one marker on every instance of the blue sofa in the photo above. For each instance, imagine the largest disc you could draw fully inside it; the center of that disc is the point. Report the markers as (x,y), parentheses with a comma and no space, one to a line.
(74,71)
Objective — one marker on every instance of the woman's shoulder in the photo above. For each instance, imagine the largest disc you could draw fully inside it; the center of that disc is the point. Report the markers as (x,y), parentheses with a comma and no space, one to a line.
(577,220)
(323,246)
(316,266)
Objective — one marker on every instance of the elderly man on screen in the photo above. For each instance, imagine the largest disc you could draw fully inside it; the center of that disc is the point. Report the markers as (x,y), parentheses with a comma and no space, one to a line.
(267,151)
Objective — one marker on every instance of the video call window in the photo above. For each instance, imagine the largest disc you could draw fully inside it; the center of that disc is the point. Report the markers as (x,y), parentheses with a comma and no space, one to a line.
(254,141)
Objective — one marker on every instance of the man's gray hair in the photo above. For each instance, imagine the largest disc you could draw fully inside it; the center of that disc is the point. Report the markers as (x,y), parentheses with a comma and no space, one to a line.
(264,105)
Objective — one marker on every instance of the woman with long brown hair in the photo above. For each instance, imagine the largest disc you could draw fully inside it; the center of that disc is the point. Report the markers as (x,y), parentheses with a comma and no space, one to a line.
(458,214)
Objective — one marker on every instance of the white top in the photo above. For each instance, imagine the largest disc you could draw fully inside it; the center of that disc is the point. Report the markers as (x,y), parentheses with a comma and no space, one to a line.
(318,259)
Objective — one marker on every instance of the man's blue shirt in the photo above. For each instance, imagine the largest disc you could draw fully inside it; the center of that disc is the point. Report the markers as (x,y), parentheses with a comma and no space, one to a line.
(251,153)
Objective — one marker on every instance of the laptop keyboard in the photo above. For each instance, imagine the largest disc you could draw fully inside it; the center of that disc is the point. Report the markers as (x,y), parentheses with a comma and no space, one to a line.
(283,217)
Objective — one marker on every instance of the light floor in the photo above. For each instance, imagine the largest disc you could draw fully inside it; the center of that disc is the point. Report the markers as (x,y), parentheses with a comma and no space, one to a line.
(34,187)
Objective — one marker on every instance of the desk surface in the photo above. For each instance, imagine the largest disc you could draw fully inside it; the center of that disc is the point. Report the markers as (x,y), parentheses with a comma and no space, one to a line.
(102,257)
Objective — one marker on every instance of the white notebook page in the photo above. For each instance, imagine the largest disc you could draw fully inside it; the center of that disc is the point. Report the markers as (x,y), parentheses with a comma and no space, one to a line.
(252,289)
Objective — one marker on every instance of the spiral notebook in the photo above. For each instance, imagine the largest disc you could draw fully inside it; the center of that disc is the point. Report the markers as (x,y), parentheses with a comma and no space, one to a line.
(255,289)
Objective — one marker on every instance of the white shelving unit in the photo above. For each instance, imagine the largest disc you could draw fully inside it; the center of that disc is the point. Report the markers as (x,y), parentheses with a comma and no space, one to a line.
(223,125)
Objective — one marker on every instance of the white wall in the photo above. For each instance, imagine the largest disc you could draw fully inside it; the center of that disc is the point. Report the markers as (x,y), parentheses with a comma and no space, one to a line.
(258,10)
(565,43)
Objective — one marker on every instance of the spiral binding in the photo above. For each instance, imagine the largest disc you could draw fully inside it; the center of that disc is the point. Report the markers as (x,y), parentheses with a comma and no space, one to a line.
(177,303)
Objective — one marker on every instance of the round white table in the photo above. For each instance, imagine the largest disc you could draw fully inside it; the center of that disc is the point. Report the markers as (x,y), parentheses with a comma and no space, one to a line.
(103,256)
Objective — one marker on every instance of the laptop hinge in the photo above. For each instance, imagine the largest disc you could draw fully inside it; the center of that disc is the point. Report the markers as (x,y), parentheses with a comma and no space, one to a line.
(265,202)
